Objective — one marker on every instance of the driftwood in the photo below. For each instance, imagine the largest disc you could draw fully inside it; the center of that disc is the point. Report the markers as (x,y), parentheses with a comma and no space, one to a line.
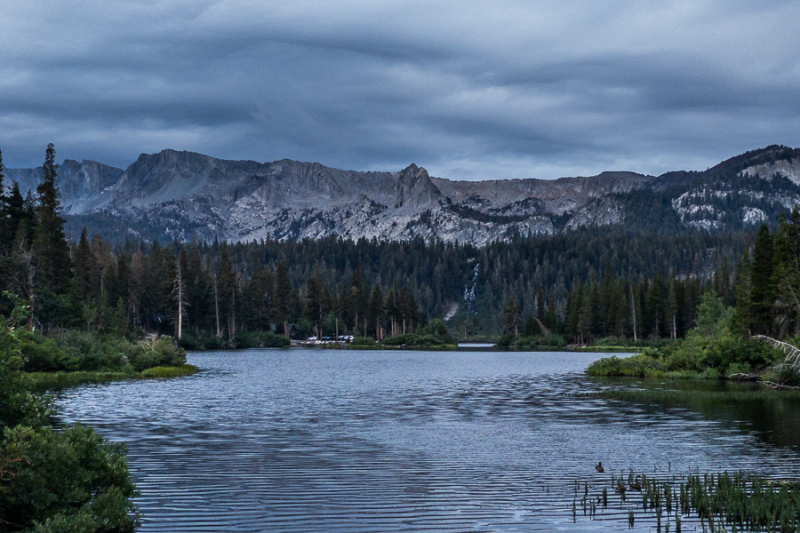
(792,352)
(778,386)
(744,377)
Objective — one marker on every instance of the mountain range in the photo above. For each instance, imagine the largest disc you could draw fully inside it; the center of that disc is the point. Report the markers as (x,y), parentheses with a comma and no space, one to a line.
(185,195)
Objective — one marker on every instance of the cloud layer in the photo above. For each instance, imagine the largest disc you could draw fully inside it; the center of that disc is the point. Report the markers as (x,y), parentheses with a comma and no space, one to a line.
(469,89)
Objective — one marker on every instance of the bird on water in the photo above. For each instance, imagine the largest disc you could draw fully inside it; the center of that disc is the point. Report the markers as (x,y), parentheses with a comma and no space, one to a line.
(599,467)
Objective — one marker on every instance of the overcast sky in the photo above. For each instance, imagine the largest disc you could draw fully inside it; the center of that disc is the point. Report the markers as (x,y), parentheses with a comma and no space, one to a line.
(467,89)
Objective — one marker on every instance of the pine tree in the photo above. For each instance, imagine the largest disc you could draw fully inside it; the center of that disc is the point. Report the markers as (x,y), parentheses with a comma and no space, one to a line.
(762,283)
(376,310)
(512,316)
(530,327)
(84,268)
(5,214)
(50,249)
(227,290)
(313,307)
(283,290)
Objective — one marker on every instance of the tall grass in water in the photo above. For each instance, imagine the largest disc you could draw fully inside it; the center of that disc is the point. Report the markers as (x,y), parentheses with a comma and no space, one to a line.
(721,502)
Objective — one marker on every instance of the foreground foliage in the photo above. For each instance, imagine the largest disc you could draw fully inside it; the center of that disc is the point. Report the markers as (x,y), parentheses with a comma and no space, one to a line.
(68,480)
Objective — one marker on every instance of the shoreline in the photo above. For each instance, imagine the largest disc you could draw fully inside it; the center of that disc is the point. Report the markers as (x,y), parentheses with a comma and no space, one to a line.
(46,380)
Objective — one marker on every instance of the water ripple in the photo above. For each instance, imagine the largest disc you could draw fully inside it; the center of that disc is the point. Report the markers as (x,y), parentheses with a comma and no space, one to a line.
(299,441)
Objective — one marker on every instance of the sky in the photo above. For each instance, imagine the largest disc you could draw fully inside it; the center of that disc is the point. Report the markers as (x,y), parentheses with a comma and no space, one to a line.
(468,89)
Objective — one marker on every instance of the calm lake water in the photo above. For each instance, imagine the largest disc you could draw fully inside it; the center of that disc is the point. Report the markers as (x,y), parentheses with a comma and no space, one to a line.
(323,441)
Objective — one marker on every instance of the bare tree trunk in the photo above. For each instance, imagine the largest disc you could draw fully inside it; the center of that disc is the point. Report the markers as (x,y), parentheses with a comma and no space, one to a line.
(233,315)
(633,311)
(216,306)
(674,327)
(179,289)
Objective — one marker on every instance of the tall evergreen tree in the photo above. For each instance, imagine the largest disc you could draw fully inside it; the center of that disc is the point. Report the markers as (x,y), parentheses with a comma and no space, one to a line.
(762,283)
(283,290)
(512,316)
(50,249)
(5,214)
(376,310)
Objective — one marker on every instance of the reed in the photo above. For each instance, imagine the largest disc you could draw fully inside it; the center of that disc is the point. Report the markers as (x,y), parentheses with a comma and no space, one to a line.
(726,502)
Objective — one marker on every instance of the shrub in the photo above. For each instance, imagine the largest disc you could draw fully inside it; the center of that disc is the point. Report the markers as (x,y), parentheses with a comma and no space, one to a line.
(363,341)
(161,351)
(551,341)
(72,480)
(642,365)
(261,339)
(789,376)
(54,481)
(438,328)
(189,341)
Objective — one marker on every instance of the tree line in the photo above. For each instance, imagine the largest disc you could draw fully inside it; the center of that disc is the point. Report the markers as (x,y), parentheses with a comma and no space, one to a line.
(586,284)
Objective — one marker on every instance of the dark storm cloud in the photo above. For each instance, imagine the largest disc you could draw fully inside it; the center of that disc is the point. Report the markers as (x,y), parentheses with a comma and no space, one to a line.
(469,90)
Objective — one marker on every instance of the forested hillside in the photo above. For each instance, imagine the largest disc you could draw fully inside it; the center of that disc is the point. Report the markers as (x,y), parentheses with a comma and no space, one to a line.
(584,284)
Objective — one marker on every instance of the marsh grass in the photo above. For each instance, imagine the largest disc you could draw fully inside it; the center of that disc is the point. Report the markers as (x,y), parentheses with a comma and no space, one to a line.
(49,380)
(725,502)
(169,371)
(712,502)
(44,380)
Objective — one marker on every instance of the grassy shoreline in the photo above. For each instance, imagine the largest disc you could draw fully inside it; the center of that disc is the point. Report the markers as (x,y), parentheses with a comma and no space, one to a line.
(43,380)
(429,348)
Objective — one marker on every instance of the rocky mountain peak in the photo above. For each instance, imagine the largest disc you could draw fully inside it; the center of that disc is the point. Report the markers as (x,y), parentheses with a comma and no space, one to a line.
(185,195)
(414,188)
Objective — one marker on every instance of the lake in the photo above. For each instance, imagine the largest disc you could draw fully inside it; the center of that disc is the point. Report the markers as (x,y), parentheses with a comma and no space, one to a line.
(322,440)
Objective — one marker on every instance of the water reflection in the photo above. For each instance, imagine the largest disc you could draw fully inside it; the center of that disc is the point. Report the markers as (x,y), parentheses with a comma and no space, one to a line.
(304,440)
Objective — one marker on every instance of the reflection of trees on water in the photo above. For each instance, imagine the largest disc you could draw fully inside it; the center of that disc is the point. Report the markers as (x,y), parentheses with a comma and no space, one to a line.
(773,418)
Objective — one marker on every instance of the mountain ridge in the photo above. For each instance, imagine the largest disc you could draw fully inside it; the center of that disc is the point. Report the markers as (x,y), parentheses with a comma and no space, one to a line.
(186,195)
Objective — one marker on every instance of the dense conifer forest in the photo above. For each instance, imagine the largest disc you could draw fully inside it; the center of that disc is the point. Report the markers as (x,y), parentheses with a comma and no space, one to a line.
(584,285)
(610,281)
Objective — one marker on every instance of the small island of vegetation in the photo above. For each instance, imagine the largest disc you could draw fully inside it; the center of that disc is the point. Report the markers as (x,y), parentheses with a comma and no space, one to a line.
(728,341)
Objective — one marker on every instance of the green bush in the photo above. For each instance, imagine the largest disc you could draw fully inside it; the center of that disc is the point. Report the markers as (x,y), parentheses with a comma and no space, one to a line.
(66,479)
(189,341)
(640,366)
(710,350)
(551,341)
(54,481)
(789,376)
(363,341)
(162,351)
(70,351)
(261,339)
(505,340)
(438,329)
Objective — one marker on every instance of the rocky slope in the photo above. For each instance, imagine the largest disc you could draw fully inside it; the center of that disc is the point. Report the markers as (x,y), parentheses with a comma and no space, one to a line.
(184,195)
